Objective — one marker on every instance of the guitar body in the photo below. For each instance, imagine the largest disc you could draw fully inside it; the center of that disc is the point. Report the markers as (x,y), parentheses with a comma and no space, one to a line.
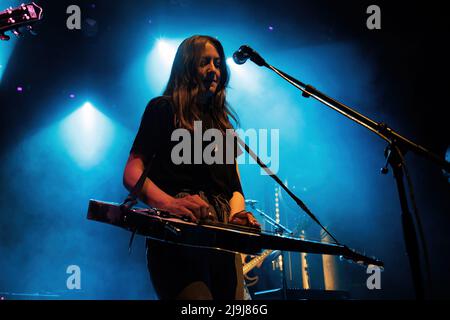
(255,262)
(251,281)
(248,266)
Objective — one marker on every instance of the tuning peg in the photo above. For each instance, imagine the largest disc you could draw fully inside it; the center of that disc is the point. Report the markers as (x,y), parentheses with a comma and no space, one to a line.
(31,30)
(4,37)
(17,33)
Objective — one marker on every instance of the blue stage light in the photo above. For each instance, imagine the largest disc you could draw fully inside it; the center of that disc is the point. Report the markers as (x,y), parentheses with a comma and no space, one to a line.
(159,63)
(166,50)
(86,134)
(6,47)
(5,52)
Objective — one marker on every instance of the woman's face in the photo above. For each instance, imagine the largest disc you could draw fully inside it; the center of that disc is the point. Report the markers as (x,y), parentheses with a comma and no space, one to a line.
(209,69)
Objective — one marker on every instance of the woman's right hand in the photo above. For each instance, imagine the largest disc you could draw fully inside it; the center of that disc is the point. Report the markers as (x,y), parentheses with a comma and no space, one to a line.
(191,206)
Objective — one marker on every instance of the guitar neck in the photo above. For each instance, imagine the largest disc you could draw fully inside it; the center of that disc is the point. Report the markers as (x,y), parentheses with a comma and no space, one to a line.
(150,223)
(23,15)
(254,262)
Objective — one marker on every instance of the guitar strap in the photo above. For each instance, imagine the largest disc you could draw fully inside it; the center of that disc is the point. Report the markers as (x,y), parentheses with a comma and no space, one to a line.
(133,196)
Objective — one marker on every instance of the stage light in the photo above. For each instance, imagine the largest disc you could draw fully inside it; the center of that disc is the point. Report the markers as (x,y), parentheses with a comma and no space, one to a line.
(246,77)
(86,135)
(159,63)
(166,50)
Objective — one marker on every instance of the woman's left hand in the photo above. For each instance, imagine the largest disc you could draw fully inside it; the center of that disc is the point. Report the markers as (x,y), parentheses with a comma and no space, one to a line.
(245,218)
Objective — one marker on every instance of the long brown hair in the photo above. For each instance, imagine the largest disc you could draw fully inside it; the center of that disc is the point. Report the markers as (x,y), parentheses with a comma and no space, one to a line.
(184,85)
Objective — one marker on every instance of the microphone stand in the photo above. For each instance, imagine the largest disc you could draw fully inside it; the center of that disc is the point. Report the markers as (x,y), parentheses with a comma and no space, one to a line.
(279,228)
(397,146)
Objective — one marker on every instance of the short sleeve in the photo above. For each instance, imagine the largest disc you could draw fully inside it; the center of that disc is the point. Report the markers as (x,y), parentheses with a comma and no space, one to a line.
(234,181)
(155,127)
(235,185)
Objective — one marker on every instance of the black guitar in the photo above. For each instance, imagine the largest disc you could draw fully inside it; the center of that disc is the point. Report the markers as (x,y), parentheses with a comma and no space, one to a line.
(19,18)
(162,226)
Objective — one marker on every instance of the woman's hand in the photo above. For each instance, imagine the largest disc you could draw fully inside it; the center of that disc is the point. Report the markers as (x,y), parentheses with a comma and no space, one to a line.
(191,206)
(245,218)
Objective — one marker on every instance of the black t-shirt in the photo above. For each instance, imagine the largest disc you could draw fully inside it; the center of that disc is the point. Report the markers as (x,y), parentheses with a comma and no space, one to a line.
(154,137)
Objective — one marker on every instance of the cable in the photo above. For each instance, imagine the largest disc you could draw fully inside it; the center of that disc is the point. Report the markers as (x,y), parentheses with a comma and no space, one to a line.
(289,192)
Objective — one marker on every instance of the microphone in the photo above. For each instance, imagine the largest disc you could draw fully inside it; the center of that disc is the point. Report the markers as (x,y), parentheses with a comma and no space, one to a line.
(244,53)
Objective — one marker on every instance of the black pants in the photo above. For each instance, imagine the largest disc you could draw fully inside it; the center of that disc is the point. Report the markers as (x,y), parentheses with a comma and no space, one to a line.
(188,273)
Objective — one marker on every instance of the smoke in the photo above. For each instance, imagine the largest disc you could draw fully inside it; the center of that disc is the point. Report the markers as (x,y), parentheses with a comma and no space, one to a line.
(44,227)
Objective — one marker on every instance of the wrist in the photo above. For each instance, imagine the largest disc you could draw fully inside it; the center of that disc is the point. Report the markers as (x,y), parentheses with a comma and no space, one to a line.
(239,212)
(160,201)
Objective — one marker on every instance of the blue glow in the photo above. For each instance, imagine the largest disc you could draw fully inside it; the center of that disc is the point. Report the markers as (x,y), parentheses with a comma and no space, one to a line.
(59,196)
(86,135)
(6,47)
(159,63)
(246,77)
